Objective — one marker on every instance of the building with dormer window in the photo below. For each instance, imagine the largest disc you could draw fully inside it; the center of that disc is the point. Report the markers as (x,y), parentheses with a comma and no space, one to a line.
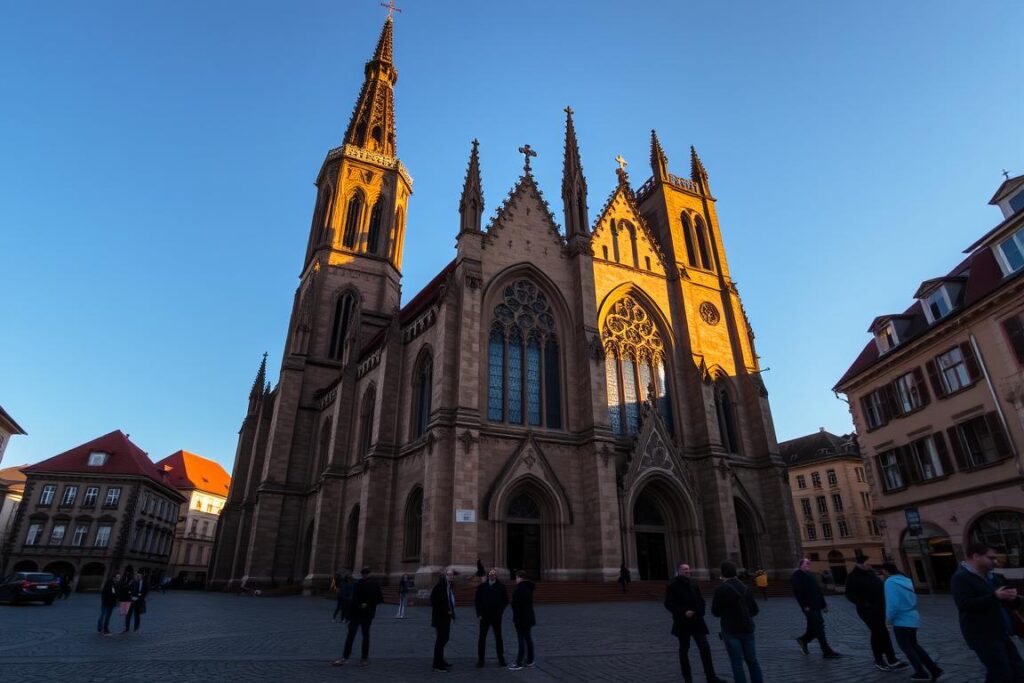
(939,408)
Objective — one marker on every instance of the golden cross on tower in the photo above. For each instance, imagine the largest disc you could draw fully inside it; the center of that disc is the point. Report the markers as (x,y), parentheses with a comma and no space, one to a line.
(622,162)
(390,4)
(526,151)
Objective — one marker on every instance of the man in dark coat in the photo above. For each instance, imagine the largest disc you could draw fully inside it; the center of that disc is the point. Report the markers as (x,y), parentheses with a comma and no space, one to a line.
(108,601)
(490,601)
(812,601)
(442,614)
(684,601)
(983,598)
(137,592)
(366,596)
(524,619)
(865,590)
(735,605)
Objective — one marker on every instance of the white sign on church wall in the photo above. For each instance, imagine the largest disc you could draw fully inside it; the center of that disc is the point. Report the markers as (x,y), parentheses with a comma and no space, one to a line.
(465,516)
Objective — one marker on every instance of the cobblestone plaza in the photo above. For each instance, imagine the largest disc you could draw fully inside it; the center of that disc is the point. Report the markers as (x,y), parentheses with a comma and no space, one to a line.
(216,637)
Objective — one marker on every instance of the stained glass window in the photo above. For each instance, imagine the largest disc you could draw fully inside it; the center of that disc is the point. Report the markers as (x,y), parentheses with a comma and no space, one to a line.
(496,377)
(645,379)
(523,351)
(630,395)
(533,381)
(355,207)
(515,377)
(664,407)
(611,371)
(373,237)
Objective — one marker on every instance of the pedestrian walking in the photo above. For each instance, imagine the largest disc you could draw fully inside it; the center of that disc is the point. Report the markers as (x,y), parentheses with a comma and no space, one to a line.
(404,586)
(736,607)
(490,602)
(137,592)
(624,577)
(761,581)
(901,612)
(983,600)
(366,595)
(65,588)
(865,590)
(524,619)
(108,601)
(812,601)
(684,601)
(442,614)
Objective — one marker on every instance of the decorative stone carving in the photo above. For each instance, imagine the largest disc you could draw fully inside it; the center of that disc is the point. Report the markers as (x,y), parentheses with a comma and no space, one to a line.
(709,314)
(630,332)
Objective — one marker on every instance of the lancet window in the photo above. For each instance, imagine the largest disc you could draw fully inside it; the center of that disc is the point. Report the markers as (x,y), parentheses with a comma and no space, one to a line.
(373,236)
(352,215)
(523,369)
(634,366)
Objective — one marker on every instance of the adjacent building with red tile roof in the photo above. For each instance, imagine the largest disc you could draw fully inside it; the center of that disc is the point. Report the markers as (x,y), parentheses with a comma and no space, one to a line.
(96,509)
(205,483)
(937,397)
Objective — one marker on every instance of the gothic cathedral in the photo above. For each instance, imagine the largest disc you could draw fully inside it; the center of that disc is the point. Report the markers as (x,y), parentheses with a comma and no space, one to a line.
(557,401)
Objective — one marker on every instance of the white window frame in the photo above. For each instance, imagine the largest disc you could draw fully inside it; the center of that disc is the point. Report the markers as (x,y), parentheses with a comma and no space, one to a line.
(113,496)
(102,536)
(35,532)
(97,459)
(844,528)
(930,466)
(831,478)
(90,496)
(874,410)
(47,494)
(939,298)
(81,531)
(1018,239)
(956,370)
(886,338)
(67,499)
(822,504)
(892,478)
(58,538)
(907,393)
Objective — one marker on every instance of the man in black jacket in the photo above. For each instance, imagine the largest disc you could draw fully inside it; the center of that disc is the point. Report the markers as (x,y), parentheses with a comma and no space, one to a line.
(523,619)
(812,601)
(982,598)
(108,601)
(490,602)
(865,590)
(734,603)
(137,592)
(684,601)
(366,595)
(442,614)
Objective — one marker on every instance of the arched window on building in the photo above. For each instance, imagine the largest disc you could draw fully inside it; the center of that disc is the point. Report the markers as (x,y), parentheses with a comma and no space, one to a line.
(726,417)
(702,244)
(691,255)
(423,386)
(634,366)
(366,421)
(352,215)
(413,526)
(1004,531)
(323,217)
(615,241)
(397,236)
(373,236)
(344,312)
(524,368)
(631,231)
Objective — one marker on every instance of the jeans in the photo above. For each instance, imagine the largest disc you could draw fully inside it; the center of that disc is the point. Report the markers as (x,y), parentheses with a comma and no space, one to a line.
(881,643)
(103,625)
(906,638)
(339,608)
(816,630)
(1001,659)
(403,599)
(481,643)
(132,611)
(444,632)
(354,624)
(740,647)
(705,655)
(525,645)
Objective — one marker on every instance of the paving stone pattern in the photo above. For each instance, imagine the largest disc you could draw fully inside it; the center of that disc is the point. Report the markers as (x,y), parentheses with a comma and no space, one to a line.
(199,636)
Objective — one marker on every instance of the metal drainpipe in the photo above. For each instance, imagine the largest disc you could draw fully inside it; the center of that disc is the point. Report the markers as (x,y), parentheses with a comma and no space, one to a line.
(995,399)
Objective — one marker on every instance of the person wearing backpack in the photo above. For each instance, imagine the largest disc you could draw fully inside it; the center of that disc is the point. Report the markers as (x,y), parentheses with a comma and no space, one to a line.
(735,605)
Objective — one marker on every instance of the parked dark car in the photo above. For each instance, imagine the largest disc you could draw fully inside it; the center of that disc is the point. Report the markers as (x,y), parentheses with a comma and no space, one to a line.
(29,587)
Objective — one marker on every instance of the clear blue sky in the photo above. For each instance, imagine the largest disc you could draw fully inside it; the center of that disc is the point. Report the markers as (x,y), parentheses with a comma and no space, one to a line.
(157,163)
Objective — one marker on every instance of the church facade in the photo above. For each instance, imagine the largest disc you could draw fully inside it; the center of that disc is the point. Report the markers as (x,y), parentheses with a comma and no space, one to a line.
(561,401)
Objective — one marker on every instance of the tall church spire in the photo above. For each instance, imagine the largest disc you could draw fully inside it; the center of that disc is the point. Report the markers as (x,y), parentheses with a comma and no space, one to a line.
(659,162)
(574,184)
(471,206)
(258,385)
(372,126)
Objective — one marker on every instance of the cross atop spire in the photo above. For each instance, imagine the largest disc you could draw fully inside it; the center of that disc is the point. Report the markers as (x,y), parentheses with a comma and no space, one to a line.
(621,162)
(372,126)
(392,8)
(527,152)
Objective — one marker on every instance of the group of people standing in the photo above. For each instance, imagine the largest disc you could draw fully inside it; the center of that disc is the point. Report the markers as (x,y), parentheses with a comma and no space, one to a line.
(126,592)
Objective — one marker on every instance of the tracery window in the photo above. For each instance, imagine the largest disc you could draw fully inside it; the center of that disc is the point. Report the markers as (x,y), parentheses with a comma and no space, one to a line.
(366,422)
(352,213)
(523,369)
(702,245)
(373,237)
(634,366)
(691,255)
(421,395)
(344,311)
(726,418)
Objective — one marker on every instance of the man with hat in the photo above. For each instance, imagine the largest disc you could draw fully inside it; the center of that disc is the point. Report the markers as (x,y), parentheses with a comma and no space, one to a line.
(865,590)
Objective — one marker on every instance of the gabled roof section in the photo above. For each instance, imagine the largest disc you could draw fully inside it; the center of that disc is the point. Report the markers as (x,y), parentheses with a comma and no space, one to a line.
(624,193)
(8,422)
(929,286)
(525,196)
(1009,186)
(189,471)
(817,446)
(125,459)
(883,320)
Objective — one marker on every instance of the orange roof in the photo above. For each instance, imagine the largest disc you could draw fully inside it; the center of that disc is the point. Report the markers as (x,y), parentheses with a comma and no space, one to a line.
(190,471)
(13,478)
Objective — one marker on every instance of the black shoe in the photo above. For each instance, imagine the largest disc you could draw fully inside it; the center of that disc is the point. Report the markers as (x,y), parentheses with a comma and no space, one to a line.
(831,655)
(882,666)
(803,646)
(898,664)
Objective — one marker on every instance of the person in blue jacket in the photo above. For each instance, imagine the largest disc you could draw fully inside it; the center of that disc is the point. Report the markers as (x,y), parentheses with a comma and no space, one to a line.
(901,612)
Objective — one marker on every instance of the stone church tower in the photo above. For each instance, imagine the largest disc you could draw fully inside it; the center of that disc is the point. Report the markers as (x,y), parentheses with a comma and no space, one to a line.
(558,401)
